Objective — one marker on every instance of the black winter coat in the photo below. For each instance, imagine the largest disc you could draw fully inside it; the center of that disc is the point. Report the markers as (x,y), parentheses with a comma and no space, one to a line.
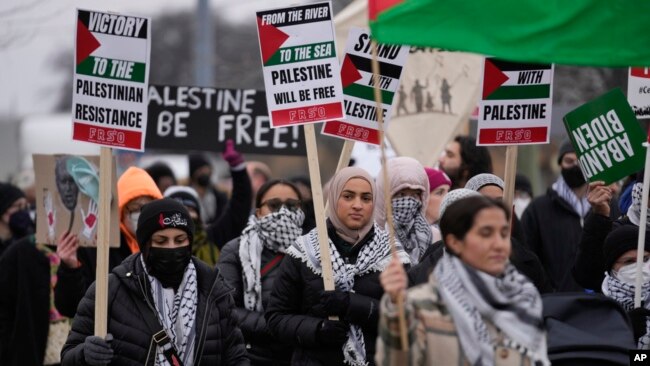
(234,216)
(589,268)
(553,232)
(292,319)
(219,341)
(24,304)
(262,347)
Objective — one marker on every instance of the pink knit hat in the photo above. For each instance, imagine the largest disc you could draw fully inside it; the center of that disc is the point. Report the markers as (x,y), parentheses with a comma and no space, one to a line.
(436,178)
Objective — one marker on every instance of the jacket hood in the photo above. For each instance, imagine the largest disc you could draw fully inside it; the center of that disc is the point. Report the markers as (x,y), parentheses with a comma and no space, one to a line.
(135,182)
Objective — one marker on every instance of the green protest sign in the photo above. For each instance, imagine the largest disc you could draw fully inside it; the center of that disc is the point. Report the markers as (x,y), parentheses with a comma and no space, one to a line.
(607,138)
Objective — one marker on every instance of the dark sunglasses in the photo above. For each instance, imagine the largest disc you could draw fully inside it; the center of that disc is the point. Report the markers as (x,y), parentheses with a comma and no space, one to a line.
(275,204)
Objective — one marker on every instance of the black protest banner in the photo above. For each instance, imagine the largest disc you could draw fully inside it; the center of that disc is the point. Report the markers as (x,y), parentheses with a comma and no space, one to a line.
(185,118)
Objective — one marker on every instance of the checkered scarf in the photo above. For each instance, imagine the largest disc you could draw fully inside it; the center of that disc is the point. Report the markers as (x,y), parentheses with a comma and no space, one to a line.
(373,257)
(634,212)
(580,205)
(411,227)
(623,293)
(510,302)
(276,232)
(177,313)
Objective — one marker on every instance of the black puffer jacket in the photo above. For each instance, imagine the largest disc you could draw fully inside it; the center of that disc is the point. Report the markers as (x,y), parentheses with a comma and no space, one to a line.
(219,341)
(262,347)
(291,317)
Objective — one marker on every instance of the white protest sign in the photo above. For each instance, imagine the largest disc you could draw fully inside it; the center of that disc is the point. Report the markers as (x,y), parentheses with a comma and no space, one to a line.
(638,91)
(360,123)
(515,105)
(109,101)
(300,67)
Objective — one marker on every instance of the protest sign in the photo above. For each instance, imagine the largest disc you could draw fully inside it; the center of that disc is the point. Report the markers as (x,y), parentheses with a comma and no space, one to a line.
(67,199)
(607,138)
(638,91)
(200,118)
(516,101)
(109,101)
(300,67)
(360,123)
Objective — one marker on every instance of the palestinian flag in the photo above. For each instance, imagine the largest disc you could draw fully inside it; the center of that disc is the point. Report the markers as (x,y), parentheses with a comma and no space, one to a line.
(510,80)
(580,32)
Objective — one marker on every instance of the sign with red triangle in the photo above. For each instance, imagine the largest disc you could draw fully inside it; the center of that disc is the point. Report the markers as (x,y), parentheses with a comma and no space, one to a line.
(301,71)
(360,123)
(516,102)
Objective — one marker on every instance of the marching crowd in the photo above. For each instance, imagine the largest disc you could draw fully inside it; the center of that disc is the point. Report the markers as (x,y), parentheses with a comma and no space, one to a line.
(201,277)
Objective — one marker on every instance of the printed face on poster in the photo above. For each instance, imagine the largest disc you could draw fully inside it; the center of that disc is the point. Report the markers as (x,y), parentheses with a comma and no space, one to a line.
(199,118)
(109,100)
(301,71)
(67,190)
(515,105)
(360,123)
(607,138)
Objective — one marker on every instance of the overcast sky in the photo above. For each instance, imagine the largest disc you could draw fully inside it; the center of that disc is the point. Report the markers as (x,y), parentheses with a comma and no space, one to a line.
(32,31)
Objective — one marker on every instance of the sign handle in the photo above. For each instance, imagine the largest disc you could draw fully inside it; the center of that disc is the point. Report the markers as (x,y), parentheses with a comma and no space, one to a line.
(103,237)
(642,225)
(509,175)
(319,208)
(388,203)
(344,160)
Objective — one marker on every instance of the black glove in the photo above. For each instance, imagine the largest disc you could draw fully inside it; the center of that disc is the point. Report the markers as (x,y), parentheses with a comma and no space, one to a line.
(333,303)
(98,351)
(332,332)
(638,317)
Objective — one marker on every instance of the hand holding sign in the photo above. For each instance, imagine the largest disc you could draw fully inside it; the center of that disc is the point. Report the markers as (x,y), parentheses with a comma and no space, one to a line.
(89,219)
(66,249)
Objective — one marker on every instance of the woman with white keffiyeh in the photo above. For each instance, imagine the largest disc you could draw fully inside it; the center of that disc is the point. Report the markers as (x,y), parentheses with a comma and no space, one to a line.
(249,264)
(409,190)
(165,307)
(476,309)
(299,308)
(619,253)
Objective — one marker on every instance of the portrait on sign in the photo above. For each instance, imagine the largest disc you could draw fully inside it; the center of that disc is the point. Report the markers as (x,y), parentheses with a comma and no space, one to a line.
(67,199)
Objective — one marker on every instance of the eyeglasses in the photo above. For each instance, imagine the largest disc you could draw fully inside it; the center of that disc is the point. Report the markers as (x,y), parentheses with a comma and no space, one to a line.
(275,204)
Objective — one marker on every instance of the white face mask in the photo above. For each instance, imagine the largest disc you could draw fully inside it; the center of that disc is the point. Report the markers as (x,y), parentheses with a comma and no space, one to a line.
(133,220)
(627,273)
(520,205)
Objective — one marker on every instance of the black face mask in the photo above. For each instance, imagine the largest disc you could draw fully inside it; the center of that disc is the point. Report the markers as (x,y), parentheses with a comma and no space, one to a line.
(573,177)
(203,180)
(21,224)
(168,264)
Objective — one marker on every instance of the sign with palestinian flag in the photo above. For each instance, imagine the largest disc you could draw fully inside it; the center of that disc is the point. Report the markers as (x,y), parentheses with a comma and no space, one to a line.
(638,91)
(607,138)
(515,105)
(300,67)
(360,123)
(109,100)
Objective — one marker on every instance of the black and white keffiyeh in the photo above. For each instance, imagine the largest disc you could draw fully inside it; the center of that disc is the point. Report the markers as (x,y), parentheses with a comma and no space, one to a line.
(485,179)
(510,302)
(276,232)
(411,227)
(623,293)
(580,205)
(177,313)
(634,212)
(373,257)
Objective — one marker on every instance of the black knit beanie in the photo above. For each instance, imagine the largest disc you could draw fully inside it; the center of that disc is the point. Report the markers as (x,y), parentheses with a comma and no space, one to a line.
(8,195)
(166,213)
(565,148)
(619,241)
(197,161)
